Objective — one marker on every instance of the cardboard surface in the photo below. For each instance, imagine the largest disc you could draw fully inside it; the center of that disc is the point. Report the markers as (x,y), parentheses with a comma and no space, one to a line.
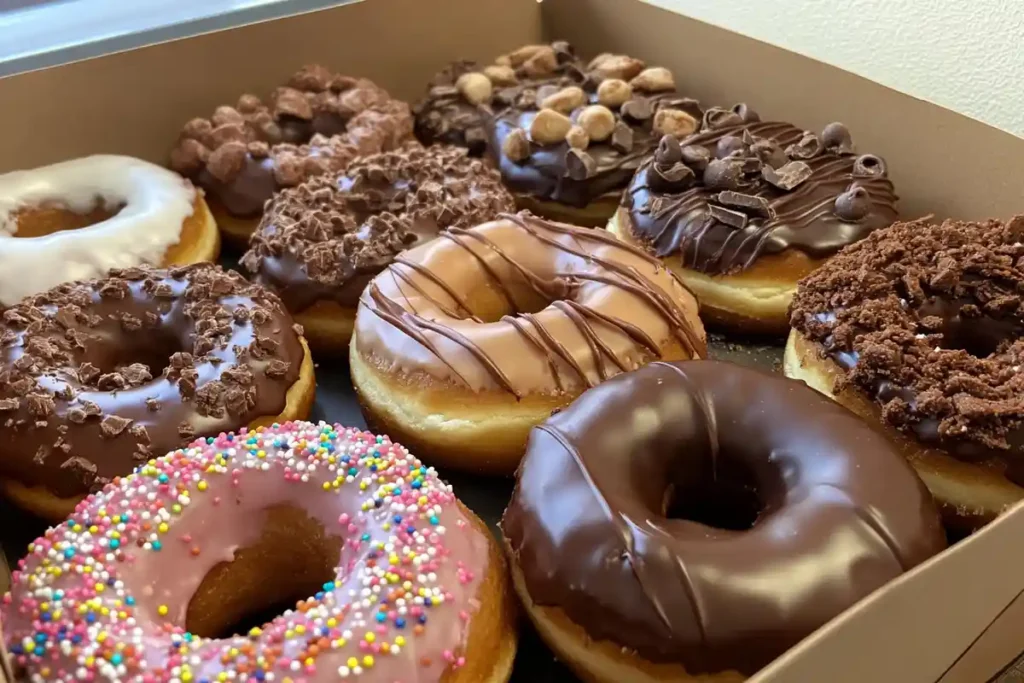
(956,619)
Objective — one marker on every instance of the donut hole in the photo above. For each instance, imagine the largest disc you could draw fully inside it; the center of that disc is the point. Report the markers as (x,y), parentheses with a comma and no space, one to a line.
(49,218)
(977,333)
(491,305)
(726,498)
(154,350)
(289,563)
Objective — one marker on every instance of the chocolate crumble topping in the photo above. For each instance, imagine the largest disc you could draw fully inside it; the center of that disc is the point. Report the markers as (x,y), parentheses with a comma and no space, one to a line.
(73,378)
(328,237)
(316,124)
(928,320)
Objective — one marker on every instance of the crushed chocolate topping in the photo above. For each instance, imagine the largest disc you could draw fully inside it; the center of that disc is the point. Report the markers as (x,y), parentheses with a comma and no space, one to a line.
(316,124)
(328,237)
(450,115)
(74,378)
(928,320)
(757,187)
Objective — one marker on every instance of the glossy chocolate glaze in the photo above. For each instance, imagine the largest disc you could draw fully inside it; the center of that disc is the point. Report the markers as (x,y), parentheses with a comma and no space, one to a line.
(838,513)
(326,239)
(99,376)
(544,174)
(843,198)
(598,314)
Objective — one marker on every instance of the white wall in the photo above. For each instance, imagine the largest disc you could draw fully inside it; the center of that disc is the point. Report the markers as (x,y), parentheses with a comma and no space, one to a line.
(966,55)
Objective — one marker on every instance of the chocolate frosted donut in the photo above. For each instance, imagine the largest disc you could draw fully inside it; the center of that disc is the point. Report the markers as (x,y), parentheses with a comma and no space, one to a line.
(465,343)
(320,243)
(99,376)
(921,327)
(701,518)
(314,125)
(568,150)
(462,98)
(745,208)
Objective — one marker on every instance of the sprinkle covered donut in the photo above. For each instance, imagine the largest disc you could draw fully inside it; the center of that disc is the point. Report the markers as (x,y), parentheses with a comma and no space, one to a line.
(138,583)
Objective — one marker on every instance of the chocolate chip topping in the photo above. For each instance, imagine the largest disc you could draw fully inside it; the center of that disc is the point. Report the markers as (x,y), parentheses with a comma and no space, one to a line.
(74,378)
(776,185)
(326,238)
(928,320)
(316,124)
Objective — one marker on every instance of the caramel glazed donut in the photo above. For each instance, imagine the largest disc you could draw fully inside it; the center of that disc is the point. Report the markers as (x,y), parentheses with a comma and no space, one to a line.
(98,376)
(567,136)
(921,327)
(93,214)
(745,208)
(320,243)
(693,521)
(465,343)
(404,583)
(315,125)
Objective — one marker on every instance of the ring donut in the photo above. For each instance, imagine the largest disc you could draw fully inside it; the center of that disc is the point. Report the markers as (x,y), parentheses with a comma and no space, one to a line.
(465,343)
(389,576)
(744,208)
(314,125)
(98,376)
(93,214)
(320,243)
(921,328)
(692,521)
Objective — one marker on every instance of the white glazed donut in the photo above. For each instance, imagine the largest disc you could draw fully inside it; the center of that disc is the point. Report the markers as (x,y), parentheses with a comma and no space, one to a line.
(160,219)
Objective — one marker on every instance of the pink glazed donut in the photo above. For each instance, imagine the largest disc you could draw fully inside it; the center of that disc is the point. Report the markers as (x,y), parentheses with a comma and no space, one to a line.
(148,579)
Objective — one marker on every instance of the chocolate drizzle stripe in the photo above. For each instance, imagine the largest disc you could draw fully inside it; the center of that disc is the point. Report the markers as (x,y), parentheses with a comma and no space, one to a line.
(394,314)
(512,320)
(425,272)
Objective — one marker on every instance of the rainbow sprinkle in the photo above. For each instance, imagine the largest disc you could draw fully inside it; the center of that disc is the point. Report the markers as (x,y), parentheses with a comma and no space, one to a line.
(103,596)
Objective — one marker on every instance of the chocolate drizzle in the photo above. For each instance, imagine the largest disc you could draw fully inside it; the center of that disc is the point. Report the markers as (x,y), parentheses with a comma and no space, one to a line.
(531,265)
(618,516)
(757,188)
(98,376)
(928,321)
(326,239)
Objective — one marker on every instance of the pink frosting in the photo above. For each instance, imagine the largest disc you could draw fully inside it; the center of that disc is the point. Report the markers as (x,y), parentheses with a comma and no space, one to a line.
(104,595)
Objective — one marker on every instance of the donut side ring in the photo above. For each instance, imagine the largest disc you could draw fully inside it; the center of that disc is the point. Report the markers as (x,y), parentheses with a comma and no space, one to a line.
(95,214)
(662,524)
(465,343)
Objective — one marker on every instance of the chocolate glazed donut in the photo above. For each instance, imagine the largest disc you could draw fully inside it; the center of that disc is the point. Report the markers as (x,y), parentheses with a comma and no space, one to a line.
(703,518)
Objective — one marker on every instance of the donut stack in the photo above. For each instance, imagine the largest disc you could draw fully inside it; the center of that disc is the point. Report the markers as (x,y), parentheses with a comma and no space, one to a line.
(517,271)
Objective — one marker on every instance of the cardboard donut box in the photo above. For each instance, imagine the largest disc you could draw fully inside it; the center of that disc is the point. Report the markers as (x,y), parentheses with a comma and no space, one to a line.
(959,618)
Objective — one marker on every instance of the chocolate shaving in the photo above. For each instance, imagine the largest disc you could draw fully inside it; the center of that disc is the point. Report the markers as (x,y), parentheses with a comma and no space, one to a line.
(622,138)
(735,219)
(746,202)
(789,176)
(579,165)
